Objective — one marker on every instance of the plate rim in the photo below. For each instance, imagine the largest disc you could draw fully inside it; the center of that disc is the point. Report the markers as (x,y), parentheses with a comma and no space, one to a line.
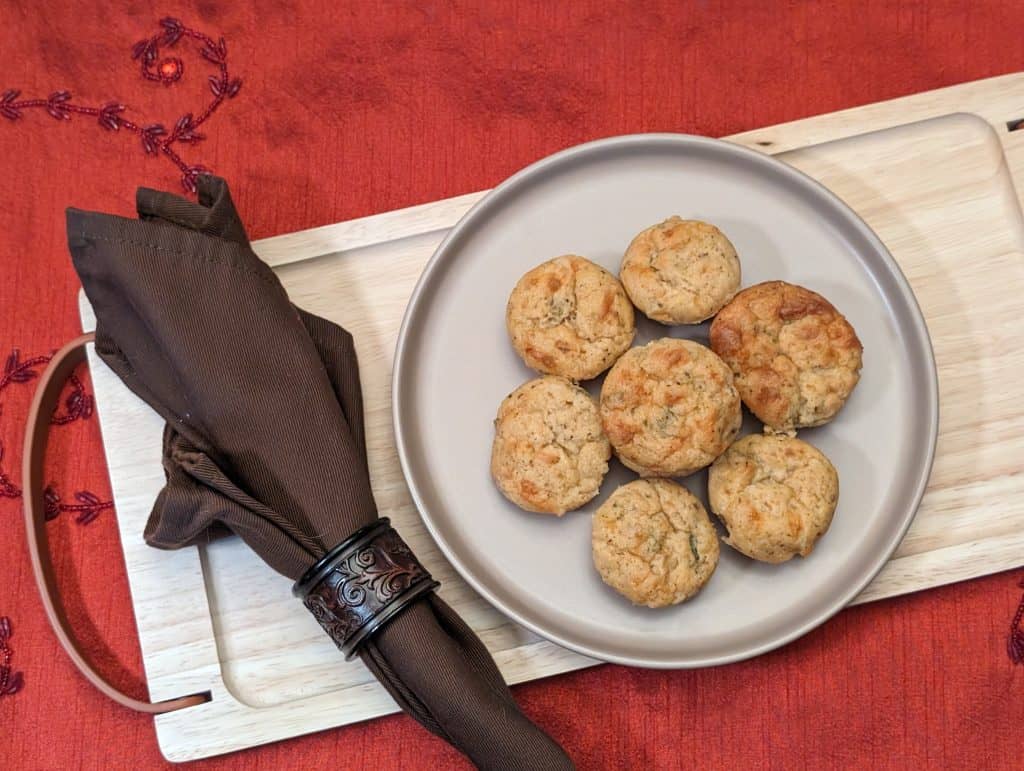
(494,198)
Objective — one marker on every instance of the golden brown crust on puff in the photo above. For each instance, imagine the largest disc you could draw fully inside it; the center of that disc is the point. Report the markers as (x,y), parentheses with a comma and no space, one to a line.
(549,453)
(795,357)
(654,543)
(570,317)
(680,271)
(669,407)
(775,494)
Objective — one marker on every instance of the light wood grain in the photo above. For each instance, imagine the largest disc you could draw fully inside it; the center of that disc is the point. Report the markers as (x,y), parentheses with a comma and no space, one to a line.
(933,174)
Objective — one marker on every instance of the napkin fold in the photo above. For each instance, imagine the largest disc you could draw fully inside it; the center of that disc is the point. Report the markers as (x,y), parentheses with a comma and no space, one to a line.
(265,436)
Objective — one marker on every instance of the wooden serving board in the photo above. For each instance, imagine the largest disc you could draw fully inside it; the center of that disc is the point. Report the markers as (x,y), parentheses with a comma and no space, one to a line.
(934,175)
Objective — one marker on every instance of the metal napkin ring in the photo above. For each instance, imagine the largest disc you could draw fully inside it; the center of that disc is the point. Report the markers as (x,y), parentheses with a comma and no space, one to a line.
(364,581)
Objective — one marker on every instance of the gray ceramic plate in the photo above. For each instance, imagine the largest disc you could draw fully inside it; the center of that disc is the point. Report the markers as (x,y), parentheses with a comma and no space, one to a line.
(454,365)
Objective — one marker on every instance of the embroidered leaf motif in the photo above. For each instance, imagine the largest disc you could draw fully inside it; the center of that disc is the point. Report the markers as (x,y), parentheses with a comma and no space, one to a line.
(55,105)
(173,30)
(190,178)
(79,404)
(211,55)
(51,503)
(86,516)
(108,116)
(151,137)
(216,85)
(86,497)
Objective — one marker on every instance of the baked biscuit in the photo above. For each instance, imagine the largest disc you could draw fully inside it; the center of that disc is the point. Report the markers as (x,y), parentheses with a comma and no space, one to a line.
(549,454)
(569,317)
(654,543)
(669,408)
(680,271)
(795,357)
(775,494)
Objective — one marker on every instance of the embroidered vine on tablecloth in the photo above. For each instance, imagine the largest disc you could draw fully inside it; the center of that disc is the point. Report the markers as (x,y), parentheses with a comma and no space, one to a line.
(77,405)
(155,137)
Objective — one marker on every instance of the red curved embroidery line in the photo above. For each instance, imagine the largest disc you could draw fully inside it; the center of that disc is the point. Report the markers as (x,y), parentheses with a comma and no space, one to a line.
(18,371)
(10,681)
(77,405)
(89,506)
(155,137)
(1015,644)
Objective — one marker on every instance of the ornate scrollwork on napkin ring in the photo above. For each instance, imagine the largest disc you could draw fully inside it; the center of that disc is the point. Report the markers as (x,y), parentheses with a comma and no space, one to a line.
(360,584)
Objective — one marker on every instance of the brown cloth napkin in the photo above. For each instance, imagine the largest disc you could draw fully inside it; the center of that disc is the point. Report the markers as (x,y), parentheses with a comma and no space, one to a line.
(265,436)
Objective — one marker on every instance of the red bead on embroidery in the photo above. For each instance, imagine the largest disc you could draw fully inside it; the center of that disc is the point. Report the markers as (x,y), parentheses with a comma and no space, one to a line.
(170,70)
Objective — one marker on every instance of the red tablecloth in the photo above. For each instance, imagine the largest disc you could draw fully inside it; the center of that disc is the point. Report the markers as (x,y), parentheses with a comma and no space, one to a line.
(351,109)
